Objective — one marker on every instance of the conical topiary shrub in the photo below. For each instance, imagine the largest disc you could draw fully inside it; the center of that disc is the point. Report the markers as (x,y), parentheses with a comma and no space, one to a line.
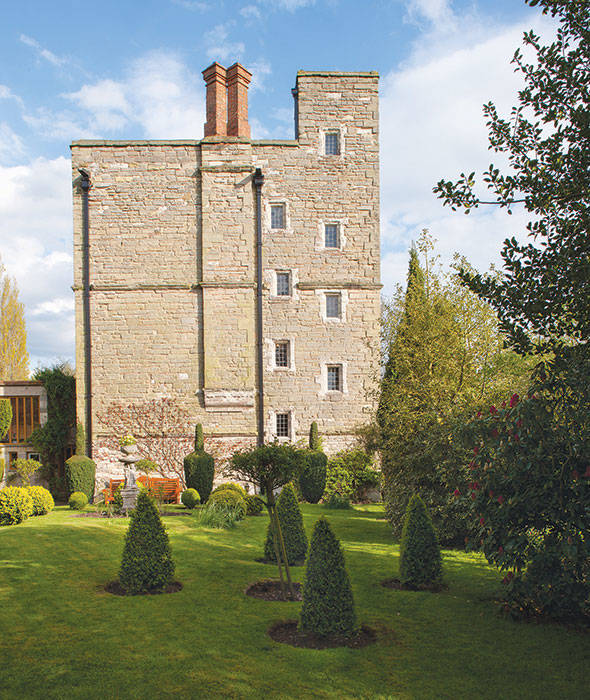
(292,528)
(312,480)
(199,467)
(147,562)
(420,558)
(328,605)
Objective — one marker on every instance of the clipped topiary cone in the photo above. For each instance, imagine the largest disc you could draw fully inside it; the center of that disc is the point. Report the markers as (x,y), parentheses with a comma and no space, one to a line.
(420,558)
(147,563)
(292,528)
(328,605)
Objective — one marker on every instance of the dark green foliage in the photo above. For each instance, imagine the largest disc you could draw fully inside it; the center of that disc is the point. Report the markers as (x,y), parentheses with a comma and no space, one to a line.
(56,436)
(312,480)
(230,498)
(420,558)
(5,416)
(254,505)
(315,441)
(147,563)
(42,500)
(328,605)
(338,482)
(337,502)
(190,498)
(292,528)
(269,466)
(79,475)
(350,473)
(199,438)
(78,500)
(232,486)
(199,471)
(80,440)
(16,505)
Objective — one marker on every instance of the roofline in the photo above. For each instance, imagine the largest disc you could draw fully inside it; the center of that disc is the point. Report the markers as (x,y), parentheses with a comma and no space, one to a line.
(339,73)
(90,143)
(21,382)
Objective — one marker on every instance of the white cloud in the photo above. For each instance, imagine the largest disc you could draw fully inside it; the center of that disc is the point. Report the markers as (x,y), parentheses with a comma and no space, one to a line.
(437,12)
(158,95)
(192,5)
(250,12)
(11,145)
(289,5)
(218,45)
(260,71)
(43,52)
(432,127)
(7,94)
(36,247)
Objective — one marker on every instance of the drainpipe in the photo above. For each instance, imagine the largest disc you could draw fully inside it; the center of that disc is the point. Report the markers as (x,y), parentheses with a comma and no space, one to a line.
(85,187)
(258,182)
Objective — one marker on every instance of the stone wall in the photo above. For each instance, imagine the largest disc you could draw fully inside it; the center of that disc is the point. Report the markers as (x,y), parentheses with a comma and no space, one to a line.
(172,246)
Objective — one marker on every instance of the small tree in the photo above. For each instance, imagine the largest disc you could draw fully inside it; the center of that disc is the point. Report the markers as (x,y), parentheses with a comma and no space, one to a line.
(328,605)
(5,416)
(292,527)
(25,468)
(14,358)
(269,467)
(315,441)
(420,558)
(147,563)
(199,467)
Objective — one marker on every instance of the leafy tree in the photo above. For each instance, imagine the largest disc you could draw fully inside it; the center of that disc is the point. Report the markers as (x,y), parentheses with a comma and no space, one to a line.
(446,359)
(542,303)
(53,439)
(269,467)
(5,417)
(14,358)
(328,604)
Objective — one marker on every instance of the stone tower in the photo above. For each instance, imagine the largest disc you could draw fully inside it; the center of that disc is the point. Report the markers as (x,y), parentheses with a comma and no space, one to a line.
(238,277)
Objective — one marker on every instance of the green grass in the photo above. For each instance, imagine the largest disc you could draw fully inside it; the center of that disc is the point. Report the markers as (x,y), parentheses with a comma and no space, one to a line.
(63,637)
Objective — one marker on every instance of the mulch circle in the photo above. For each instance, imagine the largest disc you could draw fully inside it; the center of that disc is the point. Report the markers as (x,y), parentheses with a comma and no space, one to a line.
(116,588)
(270,589)
(397,585)
(262,560)
(286,632)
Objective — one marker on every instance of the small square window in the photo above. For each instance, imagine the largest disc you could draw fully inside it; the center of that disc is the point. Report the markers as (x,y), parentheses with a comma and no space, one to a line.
(335,378)
(282,424)
(282,353)
(333,306)
(332,143)
(331,236)
(283,284)
(277,216)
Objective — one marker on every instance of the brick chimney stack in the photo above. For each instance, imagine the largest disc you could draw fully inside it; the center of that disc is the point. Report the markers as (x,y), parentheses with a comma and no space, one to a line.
(215,79)
(238,79)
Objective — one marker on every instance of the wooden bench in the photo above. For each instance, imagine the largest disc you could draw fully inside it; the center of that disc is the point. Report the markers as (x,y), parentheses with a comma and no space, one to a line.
(163,488)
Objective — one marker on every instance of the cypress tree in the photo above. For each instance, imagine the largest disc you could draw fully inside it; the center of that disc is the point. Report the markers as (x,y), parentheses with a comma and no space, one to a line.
(5,416)
(328,605)
(147,563)
(315,442)
(420,558)
(292,528)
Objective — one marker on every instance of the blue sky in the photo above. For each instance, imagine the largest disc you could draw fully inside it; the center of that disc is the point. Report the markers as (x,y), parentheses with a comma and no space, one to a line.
(124,69)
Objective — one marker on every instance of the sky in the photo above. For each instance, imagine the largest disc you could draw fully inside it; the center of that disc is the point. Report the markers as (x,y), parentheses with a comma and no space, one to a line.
(123,69)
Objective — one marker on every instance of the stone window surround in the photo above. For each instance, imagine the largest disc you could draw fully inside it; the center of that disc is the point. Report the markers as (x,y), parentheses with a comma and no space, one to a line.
(321,235)
(282,354)
(275,201)
(272,425)
(341,130)
(322,378)
(321,293)
(270,278)
(271,365)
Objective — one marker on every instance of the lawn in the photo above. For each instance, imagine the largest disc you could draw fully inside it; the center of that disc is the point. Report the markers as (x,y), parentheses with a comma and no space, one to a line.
(64,637)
